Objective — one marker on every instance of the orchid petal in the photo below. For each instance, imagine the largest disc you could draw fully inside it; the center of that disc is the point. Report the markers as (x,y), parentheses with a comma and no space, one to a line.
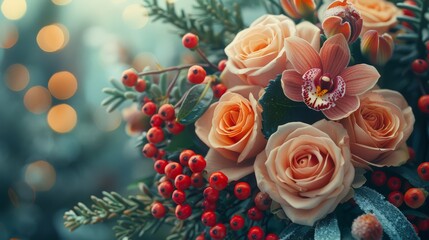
(301,54)
(343,108)
(359,78)
(292,85)
(335,55)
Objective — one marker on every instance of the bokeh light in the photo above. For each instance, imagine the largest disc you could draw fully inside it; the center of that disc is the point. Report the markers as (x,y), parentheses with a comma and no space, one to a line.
(62,85)
(37,99)
(17,77)
(107,121)
(52,38)
(62,118)
(61,2)
(14,9)
(9,35)
(143,60)
(40,175)
(136,15)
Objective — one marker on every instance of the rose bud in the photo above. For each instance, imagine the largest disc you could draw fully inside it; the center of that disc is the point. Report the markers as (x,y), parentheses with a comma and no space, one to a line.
(342,17)
(298,8)
(378,49)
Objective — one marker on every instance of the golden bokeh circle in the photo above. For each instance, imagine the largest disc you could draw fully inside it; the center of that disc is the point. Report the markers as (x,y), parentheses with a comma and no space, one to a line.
(61,2)
(52,38)
(17,77)
(14,9)
(136,15)
(62,85)
(9,35)
(62,118)
(40,175)
(37,99)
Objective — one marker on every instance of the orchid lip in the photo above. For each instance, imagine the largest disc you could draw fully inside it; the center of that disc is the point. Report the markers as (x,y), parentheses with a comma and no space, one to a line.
(320,91)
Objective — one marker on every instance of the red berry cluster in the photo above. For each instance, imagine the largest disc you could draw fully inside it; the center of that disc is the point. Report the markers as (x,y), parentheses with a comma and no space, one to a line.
(130,78)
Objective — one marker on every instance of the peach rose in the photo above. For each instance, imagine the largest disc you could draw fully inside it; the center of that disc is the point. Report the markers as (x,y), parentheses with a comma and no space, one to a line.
(379,15)
(379,128)
(257,54)
(231,128)
(306,169)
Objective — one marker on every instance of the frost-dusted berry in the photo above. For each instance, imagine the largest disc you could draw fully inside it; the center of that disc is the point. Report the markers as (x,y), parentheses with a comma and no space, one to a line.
(242,190)
(183,211)
(196,74)
(415,197)
(272,236)
(221,65)
(209,206)
(178,196)
(423,171)
(166,112)
(158,210)
(208,218)
(197,180)
(197,163)
(190,40)
(159,166)
(423,104)
(129,77)
(156,120)
(262,201)
(149,150)
(173,169)
(218,181)
(419,66)
(255,214)
(368,227)
(378,178)
(155,135)
(396,198)
(219,89)
(182,182)
(175,127)
(237,222)
(211,194)
(218,231)
(140,85)
(165,189)
(255,233)
(149,108)
(394,183)
(185,155)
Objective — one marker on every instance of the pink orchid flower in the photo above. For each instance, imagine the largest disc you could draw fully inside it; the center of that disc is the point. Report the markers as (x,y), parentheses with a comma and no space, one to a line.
(322,80)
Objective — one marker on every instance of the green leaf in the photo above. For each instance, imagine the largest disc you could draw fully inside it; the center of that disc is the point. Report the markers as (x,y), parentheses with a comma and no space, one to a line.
(327,228)
(415,213)
(294,231)
(195,104)
(118,85)
(278,109)
(183,140)
(411,175)
(163,83)
(184,85)
(391,218)
(115,105)
(155,91)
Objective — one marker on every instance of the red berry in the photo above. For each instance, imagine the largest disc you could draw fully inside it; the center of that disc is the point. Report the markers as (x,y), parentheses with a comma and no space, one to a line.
(166,112)
(158,210)
(190,40)
(218,231)
(160,154)
(423,225)
(149,108)
(419,66)
(140,85)
(411,152)
(378,178)
(237,222)
(175,127)
(394,183)
(221,65)
(183,211)
(262,201)
(178,196)
(197,163)
(208,218)
(201,237)
(156,120)
(218,181)
(242,190)
(423,104)
(272,236)
(182,182)
(255,214)
(197,180)
(185,155)
(209,206)
(255,233)
(196,74)
(396,198)
(414,197)
(423,171)
(408,12)
(211,194)
(173,169)
(159,166)
(149,150)
(129,77)
(155,135)
(219,90)
(165,189)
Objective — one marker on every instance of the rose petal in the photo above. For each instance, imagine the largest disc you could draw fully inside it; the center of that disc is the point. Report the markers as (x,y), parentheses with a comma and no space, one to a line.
(233,170)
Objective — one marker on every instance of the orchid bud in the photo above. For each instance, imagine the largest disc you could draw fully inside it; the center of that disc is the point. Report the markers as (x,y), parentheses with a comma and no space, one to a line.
(378,49)
(298,8)
(342,17)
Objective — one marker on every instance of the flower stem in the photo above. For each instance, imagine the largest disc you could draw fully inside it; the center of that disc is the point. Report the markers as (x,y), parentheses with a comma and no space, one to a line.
(203,56)
(170,69)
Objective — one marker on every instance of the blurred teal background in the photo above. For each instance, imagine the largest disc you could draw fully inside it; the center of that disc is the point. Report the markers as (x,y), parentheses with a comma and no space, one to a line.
(58,146)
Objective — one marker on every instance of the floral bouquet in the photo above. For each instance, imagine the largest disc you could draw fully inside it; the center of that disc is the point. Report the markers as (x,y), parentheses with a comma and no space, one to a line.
(310,122)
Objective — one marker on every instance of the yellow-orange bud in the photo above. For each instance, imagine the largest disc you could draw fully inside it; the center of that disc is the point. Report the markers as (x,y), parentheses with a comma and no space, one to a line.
(378,49)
